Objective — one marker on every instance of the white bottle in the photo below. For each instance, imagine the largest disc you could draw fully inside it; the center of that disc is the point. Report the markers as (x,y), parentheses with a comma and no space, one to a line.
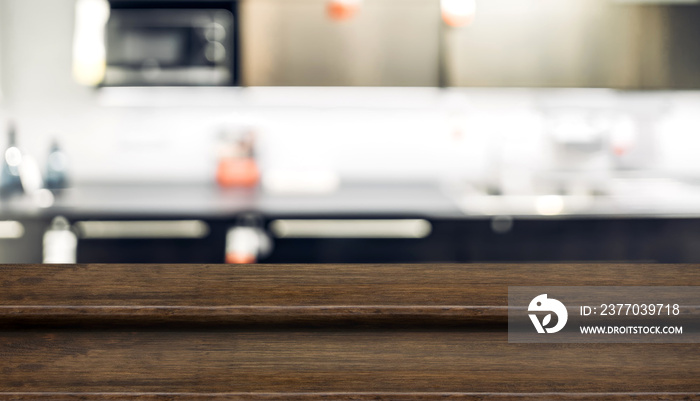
(246,242)
(60,243)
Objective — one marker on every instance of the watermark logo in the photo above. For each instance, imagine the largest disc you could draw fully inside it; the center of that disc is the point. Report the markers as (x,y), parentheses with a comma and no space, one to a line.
(543,304)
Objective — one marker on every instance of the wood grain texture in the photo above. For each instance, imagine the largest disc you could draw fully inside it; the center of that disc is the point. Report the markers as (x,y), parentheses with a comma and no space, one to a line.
(57,396)
(315,332)
(311,285)
(335,361)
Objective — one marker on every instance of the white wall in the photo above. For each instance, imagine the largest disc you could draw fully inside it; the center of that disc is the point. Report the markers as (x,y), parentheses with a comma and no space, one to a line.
(2,36)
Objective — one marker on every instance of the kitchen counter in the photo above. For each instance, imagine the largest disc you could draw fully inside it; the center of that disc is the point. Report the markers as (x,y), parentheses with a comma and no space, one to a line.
(211,201)
(626,198)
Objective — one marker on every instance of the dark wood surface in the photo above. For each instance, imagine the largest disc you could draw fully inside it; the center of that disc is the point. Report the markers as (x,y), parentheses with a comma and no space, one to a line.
(315,332)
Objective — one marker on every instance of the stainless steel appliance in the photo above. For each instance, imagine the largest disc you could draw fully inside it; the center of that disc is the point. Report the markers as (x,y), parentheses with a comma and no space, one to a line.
(156,43)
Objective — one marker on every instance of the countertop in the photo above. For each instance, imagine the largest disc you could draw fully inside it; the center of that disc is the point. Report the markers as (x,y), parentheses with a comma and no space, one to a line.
(317,332)
(640,198)
(211,201)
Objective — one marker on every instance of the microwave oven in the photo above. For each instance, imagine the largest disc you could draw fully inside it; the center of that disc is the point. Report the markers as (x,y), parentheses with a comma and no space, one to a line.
(175,43)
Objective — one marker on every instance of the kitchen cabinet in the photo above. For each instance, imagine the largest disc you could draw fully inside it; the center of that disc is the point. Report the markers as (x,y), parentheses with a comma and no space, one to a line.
(441,245)
(569,43)
(294,43)
(21,239)
(664,240)
(451,240)
(210,248)
(511,43)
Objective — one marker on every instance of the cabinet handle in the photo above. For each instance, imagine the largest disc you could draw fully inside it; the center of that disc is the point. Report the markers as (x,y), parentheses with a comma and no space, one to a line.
(395,228)
(166,229)
(11,229)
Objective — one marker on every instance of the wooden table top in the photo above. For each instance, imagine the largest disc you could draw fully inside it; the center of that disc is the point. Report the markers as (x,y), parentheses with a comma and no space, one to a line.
(312,332)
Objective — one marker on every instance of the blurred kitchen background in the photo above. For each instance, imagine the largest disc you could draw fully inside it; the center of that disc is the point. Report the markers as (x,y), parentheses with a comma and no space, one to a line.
(293,131)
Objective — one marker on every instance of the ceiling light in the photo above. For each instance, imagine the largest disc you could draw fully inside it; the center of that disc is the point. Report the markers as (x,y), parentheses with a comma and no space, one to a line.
(458,13)
(341,10)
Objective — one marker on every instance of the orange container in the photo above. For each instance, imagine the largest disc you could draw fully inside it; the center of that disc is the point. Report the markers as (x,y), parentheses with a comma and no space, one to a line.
(237,172)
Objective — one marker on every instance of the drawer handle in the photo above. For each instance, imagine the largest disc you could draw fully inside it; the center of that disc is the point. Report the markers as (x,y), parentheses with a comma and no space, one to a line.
(169,229)
(395,228)
(11,229)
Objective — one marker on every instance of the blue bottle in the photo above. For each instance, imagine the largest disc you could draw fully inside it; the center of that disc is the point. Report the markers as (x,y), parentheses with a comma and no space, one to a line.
(56,168)
(10,182)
